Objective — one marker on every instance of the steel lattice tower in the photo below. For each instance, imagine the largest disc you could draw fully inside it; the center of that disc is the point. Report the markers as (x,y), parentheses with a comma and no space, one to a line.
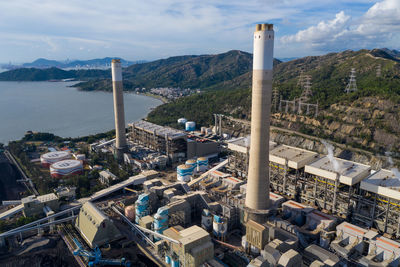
(352,85)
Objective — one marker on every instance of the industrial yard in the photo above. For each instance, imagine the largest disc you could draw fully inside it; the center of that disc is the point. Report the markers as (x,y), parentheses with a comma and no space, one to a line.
(159,196)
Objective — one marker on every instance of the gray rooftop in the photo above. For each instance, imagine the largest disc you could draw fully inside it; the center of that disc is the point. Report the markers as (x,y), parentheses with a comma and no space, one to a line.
(383,182)
(297,158)
(158,130)
(350,172)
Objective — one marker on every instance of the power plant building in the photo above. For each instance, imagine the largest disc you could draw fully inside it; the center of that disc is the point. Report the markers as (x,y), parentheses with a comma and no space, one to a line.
(95,227)
(333,182)
(166,140)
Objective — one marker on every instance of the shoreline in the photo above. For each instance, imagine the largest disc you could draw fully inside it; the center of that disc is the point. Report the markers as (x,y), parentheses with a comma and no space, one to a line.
(77,134)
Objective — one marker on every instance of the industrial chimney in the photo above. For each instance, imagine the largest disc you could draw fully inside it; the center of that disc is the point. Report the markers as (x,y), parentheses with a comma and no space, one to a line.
(257,196)
(119,113)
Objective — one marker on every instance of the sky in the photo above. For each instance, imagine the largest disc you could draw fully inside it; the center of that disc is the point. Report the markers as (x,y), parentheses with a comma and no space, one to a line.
(148,30)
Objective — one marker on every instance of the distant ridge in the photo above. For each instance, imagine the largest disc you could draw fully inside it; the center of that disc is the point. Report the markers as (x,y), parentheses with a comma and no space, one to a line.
(98,63)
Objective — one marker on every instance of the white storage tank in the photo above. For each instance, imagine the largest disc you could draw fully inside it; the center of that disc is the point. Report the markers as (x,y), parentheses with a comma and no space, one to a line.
(190,126)
(206,220)
(202,164)
(182,121)
(220,227)
(67,167)
(53,157)
(193,164)
(184,172)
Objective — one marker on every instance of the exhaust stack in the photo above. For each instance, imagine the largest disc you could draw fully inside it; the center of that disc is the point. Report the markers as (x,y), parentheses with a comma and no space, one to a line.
(257,197)
(119,112)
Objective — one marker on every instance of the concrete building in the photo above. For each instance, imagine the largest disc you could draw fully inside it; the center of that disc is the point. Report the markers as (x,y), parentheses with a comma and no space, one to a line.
(333,183)
(287,168)
(95,227)
(119,112)
(258,178)
(239,155)
(168,141)
(36,205)
(106,177)
(379,201)
(194,248)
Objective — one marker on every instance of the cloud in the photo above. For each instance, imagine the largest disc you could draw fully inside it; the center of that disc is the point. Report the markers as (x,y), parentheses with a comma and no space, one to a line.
(378,26)
(151,29)
(323,32)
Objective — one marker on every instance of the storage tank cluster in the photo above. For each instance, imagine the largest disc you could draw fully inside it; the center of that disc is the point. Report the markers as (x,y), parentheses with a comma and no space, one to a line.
(142,207)
(190,126)
(220,227)
(52,157)
(202,164)
(160,222)
(184,172)
(67,167)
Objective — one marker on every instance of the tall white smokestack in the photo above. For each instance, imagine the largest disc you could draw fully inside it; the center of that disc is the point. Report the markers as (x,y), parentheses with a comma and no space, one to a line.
(119,112)
(257,196)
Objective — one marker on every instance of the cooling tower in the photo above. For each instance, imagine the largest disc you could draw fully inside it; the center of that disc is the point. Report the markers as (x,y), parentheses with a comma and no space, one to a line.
(119,112)
(257,197)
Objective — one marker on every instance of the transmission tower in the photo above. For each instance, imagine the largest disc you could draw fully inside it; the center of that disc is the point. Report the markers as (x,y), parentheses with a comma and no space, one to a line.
(307,93)
(301,80)
(352,85)
(275,98)
(379,70)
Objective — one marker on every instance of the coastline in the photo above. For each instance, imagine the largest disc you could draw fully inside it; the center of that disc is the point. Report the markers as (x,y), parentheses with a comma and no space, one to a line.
(93,122)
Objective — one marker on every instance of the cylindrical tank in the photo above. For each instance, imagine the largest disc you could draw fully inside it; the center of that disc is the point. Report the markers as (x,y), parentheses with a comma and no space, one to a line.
(190,126)
(184,172)
(182,121)
(206,220)
(141,207)
(160,222)
(53,157)
(220,227)
(245,244)
(175,263)
(130,212)
(193,164)
(66,167)
(167,259)
(202,164)
(225,136)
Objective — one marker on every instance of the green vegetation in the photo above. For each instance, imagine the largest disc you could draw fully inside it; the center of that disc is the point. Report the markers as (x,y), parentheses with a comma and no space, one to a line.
(329,77)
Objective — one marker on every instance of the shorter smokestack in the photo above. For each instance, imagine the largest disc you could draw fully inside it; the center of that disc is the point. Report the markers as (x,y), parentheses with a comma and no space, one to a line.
(119,112)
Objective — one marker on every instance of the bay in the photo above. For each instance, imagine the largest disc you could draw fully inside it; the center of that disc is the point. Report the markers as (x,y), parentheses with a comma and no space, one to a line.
(55,107)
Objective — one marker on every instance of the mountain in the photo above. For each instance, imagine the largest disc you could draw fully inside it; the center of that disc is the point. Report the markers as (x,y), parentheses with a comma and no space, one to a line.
(33,74)
(98,63)
(207,72)
(365,119)
(393,53)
